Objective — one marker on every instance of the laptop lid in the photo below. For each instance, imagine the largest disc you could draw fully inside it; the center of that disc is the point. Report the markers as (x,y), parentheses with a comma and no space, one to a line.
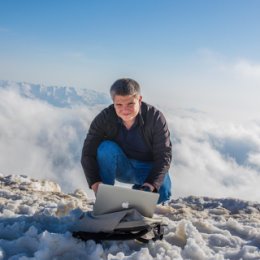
(111,198)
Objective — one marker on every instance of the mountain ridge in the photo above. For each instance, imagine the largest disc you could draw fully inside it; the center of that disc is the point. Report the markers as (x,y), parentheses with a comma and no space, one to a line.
(58,96)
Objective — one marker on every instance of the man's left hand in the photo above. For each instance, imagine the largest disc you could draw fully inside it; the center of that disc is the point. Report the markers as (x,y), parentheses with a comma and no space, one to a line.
(150,186)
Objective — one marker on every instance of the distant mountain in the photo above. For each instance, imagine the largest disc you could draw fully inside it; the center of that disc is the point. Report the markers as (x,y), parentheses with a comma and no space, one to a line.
(56,95)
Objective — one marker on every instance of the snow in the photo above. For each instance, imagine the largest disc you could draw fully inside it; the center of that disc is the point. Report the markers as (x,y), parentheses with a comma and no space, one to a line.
(36,218)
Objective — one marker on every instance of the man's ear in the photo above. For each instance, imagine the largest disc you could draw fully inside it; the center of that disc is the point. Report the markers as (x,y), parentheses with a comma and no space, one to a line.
(140,99)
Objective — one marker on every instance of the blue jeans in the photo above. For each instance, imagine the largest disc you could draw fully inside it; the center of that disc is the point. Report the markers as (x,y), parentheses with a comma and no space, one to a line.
(115,165)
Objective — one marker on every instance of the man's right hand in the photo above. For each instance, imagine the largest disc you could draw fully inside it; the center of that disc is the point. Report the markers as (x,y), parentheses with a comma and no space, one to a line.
(94,186)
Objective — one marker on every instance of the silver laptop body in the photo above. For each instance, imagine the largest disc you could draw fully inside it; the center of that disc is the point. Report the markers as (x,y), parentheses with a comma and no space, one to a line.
(111,198)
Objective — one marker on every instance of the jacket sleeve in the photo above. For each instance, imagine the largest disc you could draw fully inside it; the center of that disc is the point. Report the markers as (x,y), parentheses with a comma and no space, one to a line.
(93,139)
(162,150)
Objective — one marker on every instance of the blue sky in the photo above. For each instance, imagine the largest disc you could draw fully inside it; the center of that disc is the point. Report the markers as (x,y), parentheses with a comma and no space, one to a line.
(202,55)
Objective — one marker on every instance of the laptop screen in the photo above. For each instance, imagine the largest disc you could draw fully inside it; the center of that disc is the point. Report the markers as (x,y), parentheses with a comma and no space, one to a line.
(111,198)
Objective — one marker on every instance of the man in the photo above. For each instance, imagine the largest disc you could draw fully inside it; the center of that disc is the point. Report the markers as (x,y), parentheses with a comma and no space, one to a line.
(129,141)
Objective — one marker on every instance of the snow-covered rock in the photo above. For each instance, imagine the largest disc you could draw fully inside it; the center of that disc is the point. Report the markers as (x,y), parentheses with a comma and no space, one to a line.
(36,216)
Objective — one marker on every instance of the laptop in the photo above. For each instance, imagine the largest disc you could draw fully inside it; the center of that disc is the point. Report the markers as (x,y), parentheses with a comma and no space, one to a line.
(111,198)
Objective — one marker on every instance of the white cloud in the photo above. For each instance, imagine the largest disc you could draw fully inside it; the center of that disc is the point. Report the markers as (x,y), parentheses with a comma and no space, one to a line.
(227,88)
(214,159)
(39,140)
(254,158)
(237,66)
(247,69)
(210,158)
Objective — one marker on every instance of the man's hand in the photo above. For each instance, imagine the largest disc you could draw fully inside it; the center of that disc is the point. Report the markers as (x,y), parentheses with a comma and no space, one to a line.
(149,186)
(145,187)
(94,186)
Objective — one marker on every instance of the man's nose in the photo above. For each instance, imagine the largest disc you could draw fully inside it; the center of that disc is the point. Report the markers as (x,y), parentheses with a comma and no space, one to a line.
(125,108)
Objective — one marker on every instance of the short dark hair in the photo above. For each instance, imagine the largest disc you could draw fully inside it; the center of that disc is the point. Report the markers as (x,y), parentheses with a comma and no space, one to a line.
(125,87)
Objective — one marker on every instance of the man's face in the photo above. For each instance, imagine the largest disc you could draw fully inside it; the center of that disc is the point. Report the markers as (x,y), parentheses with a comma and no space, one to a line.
(127,107)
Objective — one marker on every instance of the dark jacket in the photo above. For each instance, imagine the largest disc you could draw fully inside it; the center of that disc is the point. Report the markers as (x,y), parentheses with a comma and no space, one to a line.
(154,129)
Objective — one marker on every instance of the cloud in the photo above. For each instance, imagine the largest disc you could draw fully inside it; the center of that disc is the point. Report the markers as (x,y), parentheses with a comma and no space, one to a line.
(213,158)
(227,88)
(254,159)
(42,141)
(247,69)
(210,158)
(237,66)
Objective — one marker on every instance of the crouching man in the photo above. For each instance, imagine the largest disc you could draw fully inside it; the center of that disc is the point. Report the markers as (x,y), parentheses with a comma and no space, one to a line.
(129,141)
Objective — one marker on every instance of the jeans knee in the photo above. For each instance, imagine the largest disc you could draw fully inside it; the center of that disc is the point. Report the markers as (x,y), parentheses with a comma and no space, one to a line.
(106,149)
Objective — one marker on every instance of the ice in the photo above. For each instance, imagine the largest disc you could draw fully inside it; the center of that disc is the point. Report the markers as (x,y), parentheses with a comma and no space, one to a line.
(36,218)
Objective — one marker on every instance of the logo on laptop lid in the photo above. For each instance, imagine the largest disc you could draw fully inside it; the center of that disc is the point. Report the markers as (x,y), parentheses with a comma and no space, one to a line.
(125,205)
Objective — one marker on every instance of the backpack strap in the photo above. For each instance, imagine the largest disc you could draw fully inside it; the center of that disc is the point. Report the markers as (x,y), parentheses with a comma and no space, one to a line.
(156,233)
(117,235)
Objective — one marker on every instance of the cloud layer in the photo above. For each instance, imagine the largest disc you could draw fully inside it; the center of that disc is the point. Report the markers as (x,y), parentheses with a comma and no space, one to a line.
(40,140)
(215,159)
(210,158)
